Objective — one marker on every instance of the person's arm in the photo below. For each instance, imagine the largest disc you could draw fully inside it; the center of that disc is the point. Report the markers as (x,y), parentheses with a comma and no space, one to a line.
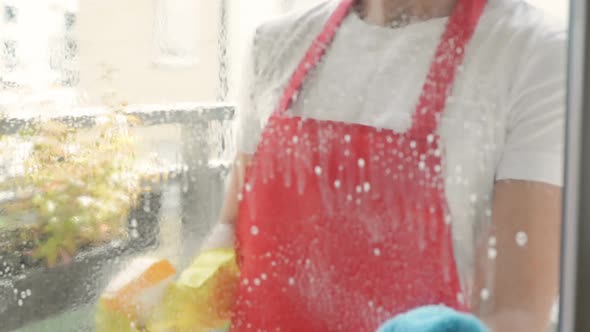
(248,129)
(222,235)
(229,209)
(524,278)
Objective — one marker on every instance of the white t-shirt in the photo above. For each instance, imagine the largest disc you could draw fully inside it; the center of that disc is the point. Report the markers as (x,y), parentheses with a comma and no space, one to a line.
(504,119)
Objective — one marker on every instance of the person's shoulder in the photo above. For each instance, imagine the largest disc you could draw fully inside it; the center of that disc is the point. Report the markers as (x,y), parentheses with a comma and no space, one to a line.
(523,22)
(281,39)
(294,21)
(521,38)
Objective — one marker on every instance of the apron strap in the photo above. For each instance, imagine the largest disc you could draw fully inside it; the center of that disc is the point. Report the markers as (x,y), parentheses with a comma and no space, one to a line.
(314,54)
(448,57)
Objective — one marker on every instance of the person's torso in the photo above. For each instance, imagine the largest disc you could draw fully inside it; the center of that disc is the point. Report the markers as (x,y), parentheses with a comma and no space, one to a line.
(374,76)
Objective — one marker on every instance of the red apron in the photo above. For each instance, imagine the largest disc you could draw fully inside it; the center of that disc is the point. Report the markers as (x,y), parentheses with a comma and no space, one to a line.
(342,226)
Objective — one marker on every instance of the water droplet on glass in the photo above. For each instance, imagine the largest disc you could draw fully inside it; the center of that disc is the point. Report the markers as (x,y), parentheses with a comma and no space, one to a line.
(318,170)
(20,302)
(291,281)
(254,230)
(484,294)
(422,165)
(359,189)
(377,252)
(85,200)
(134,223)
(50,206)
(413,144)
(430,138)
(492,253)
(347,138)
(240,197)
(295,139)
(361,163)
(245,282)
(248,187)
(134,234)
(263,276)
(367,187)
(337,184)
(473,198)
(521,239)
(257,282)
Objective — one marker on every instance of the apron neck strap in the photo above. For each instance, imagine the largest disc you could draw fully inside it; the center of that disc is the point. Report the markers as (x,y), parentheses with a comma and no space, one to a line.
(448,57)
(314,54)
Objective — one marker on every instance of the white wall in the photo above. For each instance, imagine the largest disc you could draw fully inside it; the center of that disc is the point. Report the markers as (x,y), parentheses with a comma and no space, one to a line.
(120,34)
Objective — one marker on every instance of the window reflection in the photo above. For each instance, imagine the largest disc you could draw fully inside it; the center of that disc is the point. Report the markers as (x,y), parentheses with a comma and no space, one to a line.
(118,143)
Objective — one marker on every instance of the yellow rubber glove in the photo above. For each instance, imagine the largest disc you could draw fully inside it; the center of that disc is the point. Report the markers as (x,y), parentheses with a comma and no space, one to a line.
(202,298)
(132,295)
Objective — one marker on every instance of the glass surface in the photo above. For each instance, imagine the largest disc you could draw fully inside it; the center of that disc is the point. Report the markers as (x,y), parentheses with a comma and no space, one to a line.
(128,132)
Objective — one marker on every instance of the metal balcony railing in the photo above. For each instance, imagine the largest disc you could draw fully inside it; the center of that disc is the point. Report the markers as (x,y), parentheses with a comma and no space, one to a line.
(202,141)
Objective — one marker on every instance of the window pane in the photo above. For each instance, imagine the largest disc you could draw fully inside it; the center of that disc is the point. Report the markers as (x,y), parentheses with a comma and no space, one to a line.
(308,165)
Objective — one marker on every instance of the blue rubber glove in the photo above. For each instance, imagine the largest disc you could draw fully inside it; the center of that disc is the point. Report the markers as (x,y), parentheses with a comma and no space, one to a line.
(434,319)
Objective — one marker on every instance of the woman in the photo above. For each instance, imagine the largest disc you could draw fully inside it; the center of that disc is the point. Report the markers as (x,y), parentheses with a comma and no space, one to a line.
(395,154)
